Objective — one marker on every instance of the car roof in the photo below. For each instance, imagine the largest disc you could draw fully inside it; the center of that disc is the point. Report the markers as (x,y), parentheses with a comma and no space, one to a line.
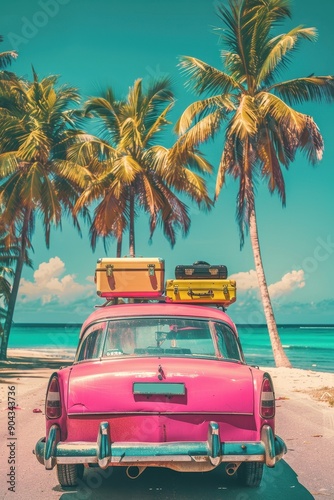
(156,309)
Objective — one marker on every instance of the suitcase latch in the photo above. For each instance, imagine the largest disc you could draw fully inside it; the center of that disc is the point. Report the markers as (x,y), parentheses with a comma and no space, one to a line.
(109,270)
(151,269)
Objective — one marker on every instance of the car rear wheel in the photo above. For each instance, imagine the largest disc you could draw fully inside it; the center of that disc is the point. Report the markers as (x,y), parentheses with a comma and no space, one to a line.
(69,474)
(250,473)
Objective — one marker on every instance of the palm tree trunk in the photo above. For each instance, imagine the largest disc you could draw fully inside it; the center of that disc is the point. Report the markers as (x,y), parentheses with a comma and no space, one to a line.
(15,288)
(280,357)
(132,224)
(119,247)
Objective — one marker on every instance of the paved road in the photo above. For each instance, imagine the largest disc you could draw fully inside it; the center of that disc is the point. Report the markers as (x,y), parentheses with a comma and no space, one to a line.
(308,430)
(306,473)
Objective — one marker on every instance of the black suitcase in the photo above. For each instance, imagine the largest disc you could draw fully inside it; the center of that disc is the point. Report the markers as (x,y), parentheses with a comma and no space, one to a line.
(200,270)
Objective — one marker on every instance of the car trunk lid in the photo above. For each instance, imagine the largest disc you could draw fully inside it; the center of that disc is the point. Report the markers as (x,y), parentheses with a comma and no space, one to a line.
(160,386)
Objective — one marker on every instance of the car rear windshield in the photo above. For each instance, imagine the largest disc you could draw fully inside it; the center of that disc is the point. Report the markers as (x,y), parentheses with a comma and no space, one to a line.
(160,337)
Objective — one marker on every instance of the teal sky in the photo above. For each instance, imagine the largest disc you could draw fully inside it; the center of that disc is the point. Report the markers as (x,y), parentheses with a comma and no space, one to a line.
(92,44)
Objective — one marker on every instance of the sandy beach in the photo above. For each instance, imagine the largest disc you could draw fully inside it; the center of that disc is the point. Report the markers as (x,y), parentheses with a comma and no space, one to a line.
(28,367)
(306,424)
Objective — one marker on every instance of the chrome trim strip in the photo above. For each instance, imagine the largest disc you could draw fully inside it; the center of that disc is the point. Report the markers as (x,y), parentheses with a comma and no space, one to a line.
(242,458)
(160,413)
(76,460)
(171,458)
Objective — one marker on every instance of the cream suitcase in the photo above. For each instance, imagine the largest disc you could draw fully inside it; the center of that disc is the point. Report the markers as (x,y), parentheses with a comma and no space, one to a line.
(130,277)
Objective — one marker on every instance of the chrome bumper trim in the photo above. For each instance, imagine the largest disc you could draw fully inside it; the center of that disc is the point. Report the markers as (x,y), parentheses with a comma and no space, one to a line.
(51,451)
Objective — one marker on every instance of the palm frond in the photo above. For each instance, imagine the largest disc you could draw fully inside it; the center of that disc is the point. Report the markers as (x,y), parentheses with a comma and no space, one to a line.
(200,132)
(281,45)
(271,166)
(96,190)
(8,164)
(155,126)
(135,98)
(10,197)
(32,186)
(206,78)
(245,197)
(311,141)
(76,175)
(126,168)
(197,162)
(110,218)
(173,216)
(271,105)
(50,207)
(245,120)
(159,90)
(88,151)
(5,291)
(36,145)
(227,161)
(108,110)
(299,90)
(149,193)
(130,132)
(200,109)
(6,58)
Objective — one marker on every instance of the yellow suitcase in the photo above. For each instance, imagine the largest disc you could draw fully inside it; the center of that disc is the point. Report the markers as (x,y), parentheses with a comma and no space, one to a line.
(130,277)
(201,291)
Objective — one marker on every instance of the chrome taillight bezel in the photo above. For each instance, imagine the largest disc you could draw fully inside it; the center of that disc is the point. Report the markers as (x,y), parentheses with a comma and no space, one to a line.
(53,399)
(267,398)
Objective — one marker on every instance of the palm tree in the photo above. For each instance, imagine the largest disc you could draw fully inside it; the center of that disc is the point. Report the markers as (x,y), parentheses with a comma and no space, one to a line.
(35,179)
(9,252)
(6,256)
(130,171)
(263,131)
(5,288)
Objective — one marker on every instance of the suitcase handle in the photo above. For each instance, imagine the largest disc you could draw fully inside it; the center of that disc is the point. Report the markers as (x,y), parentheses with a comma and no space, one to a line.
(209,293)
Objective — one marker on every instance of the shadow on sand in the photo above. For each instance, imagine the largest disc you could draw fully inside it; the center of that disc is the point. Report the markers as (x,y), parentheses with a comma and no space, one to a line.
(164,484)
(24,366)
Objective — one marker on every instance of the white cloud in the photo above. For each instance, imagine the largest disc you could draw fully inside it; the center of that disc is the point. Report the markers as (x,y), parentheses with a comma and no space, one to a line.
(248,309)
(49,287)
(245,280)
(91,279)
(247,283)
(289,282)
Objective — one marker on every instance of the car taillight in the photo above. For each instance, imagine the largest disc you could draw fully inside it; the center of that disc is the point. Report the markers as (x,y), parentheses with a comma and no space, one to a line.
(267,409)
(52,404)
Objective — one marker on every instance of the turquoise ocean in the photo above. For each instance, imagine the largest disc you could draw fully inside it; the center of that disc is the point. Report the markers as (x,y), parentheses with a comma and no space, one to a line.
(309,347)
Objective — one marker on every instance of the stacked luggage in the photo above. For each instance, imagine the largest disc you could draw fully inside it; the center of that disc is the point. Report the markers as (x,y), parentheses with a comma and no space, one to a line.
(201,283)
(144,278)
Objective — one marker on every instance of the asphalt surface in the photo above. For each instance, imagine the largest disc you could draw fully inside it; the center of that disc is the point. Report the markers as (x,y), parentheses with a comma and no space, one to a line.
(306,472)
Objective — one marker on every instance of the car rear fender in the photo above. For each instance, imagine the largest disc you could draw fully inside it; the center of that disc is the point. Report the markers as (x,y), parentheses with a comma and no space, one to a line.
(63,380)
(258,377)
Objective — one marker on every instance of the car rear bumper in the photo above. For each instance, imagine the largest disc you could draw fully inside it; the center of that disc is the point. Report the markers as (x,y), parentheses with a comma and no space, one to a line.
(52,451)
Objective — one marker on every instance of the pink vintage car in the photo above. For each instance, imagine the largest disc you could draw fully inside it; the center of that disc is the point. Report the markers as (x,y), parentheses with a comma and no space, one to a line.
(160,385)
